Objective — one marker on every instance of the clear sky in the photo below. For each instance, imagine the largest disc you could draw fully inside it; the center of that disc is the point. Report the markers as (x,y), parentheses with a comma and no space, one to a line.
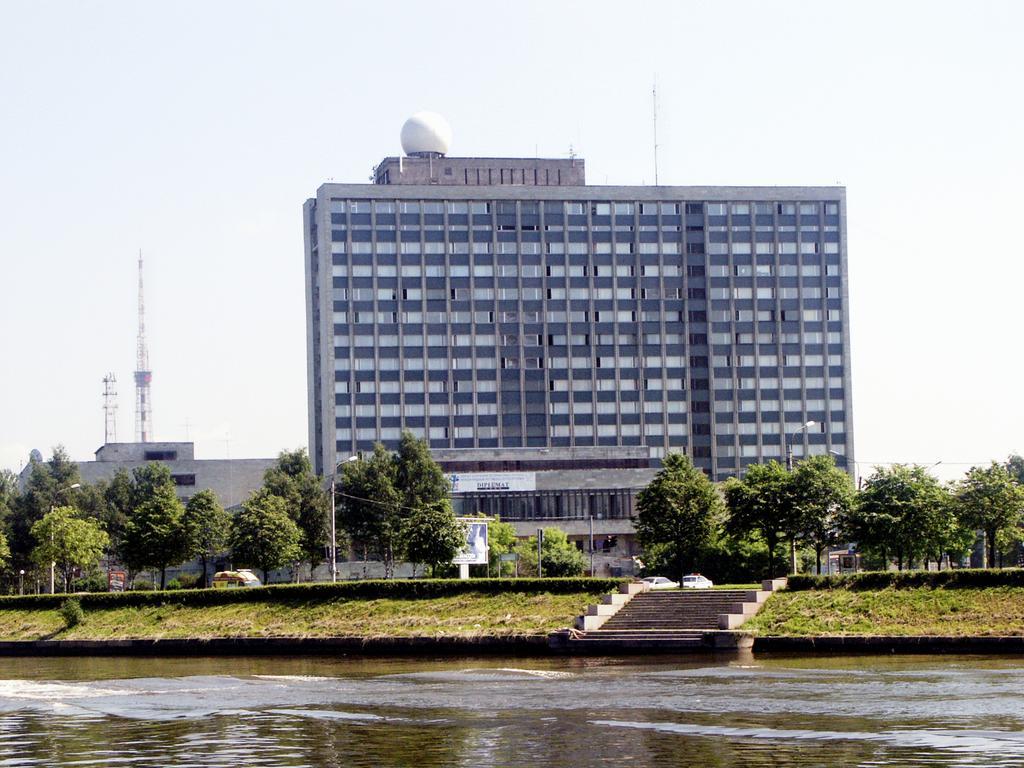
(195,131)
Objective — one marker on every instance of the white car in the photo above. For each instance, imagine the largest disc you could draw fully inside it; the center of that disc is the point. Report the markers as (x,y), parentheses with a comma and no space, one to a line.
(660,582)
(696,581)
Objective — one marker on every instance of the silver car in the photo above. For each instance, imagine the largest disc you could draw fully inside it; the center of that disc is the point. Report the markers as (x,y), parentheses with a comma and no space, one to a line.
(660,582)
(696,581)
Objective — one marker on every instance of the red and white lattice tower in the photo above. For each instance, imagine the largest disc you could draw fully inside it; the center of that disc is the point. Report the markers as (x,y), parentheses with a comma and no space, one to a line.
(143,376)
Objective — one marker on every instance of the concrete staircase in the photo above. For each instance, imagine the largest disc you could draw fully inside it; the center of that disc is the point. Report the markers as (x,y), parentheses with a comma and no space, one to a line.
(671,620)
(675,611)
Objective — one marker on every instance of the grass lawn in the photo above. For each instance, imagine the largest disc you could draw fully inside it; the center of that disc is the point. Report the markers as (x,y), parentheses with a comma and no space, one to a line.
(908,611)
(464,615)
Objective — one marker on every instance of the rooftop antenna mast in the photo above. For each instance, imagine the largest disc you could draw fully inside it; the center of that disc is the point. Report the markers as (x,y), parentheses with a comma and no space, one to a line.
(109,409)
(654,100)
(143,376)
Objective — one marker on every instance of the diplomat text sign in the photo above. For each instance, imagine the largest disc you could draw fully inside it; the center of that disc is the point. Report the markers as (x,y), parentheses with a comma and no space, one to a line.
(484,482)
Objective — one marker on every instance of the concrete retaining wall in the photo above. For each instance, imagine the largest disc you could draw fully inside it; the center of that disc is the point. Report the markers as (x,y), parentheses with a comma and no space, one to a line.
(525,645)
(883,644)
(260,646)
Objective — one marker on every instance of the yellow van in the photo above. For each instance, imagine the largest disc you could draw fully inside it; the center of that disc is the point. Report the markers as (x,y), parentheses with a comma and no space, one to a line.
(235,579)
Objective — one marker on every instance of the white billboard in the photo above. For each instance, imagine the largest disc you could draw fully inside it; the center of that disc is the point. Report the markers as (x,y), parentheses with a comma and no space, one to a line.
(475,551)
(483,482)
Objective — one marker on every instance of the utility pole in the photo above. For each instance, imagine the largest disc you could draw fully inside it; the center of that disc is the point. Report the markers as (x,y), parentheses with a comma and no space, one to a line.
(540,545)
(334,516)
(591,544)
(789,468)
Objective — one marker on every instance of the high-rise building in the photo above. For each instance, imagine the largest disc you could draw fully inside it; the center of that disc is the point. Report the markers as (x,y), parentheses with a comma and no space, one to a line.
(519,318)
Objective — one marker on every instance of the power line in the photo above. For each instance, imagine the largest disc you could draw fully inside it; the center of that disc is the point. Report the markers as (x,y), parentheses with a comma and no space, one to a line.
(919,463)
(381,503)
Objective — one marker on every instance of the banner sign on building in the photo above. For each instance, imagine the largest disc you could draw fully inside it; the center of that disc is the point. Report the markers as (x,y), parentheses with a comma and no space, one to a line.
(475,552)
(483,482)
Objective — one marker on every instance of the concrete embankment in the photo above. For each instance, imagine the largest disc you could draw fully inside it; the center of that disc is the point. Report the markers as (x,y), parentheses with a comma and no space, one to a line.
(889,644)
(292,646)
(522,645)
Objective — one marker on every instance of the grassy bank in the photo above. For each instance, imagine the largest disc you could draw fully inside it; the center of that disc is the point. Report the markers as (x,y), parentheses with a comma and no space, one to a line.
(464,615)
(979,611)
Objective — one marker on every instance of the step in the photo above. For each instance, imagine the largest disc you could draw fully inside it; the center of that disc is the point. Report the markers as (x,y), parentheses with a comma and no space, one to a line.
(663,617)
(674,638)
(603,635)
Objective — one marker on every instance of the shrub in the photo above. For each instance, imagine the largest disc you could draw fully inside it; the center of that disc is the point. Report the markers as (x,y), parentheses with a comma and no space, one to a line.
(961,578)
(94,582)
(189,581)
(399,589)
(184,581)
(72,613)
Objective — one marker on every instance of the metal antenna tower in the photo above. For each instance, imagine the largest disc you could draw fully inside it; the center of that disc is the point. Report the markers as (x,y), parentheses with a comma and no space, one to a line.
(109,409)
(143,376)
(654,101)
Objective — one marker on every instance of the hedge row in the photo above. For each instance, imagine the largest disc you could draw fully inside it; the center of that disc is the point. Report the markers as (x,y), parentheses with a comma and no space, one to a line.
(957,578)
(404,589)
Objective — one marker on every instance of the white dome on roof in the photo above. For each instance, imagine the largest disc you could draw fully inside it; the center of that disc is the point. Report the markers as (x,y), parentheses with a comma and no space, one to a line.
(426,133)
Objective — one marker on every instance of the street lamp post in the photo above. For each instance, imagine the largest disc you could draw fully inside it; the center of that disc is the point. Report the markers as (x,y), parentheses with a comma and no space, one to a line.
(53,564)
(21,582)
(334,518)
(847,462)
(789,444)
(789,468)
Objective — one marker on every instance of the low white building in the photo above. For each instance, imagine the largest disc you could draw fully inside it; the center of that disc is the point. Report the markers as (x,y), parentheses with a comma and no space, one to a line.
(232,480)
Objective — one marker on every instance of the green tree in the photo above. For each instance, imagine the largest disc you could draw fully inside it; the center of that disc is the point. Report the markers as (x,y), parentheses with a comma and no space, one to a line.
(959,538)
(761,503)
(823,495)
(1008,545)
(147,480)
(263,534)
(118,498)
(501,540)
(293,480)
(8,499)
(991,500)
(559,557)
(1015,466)
(48,485)
(68,541)
(419,479)
(432,536)
(8,495)
(207,527)
(678,511)
(369,505)
(378,498)
(155,535)
(901,511)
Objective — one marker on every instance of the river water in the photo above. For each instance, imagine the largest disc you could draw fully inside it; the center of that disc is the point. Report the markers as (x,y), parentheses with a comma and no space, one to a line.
(745,711)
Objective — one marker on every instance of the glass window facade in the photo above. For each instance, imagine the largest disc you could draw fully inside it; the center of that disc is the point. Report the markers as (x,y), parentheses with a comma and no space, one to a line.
(714,327)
